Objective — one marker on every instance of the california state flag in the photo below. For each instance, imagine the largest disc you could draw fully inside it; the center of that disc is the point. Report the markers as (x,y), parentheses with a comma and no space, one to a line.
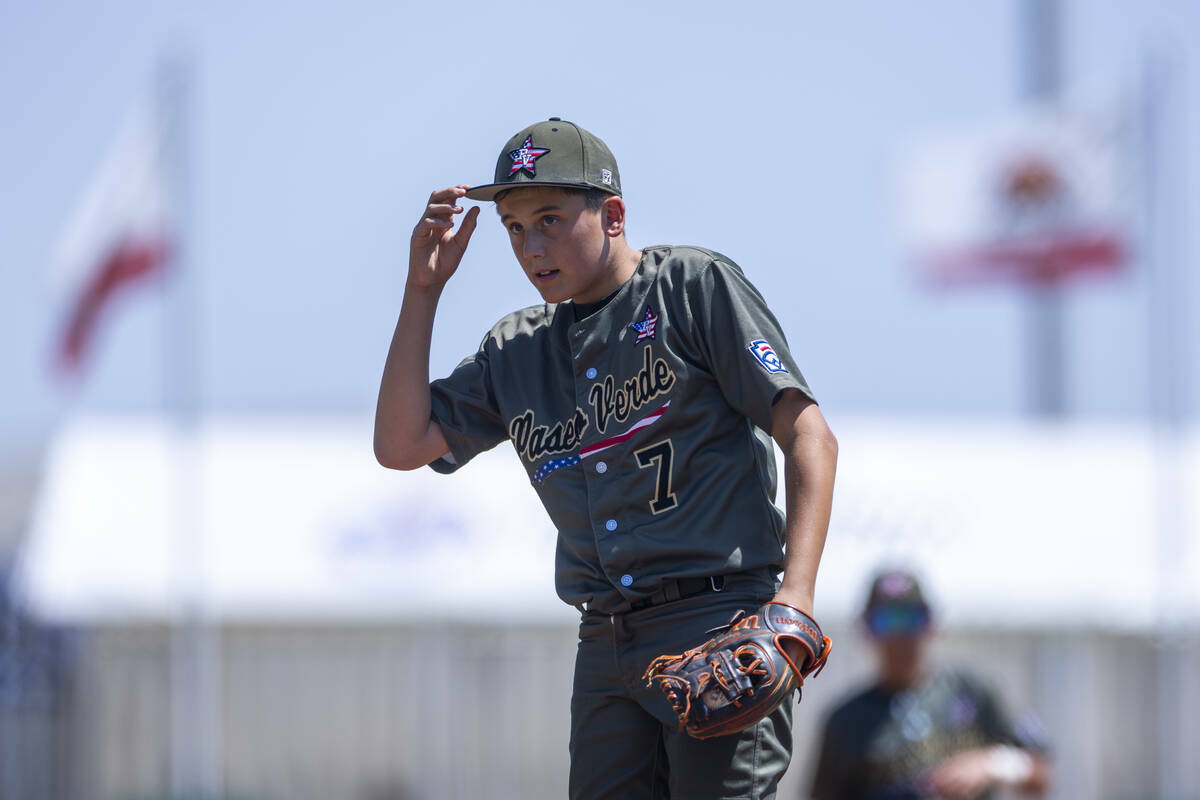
(118,236)
(1037,196)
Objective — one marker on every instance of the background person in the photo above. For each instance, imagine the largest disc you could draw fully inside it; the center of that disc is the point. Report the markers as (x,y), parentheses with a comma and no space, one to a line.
(920,731)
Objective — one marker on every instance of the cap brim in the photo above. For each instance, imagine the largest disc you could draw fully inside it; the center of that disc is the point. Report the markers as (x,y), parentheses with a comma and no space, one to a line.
(488,191)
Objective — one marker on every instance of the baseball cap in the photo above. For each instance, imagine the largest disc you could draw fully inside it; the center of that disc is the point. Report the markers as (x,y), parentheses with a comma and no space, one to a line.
(895,605)
(552,153)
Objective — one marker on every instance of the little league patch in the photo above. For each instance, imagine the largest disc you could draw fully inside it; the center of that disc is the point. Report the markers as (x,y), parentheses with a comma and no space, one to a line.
(765,355)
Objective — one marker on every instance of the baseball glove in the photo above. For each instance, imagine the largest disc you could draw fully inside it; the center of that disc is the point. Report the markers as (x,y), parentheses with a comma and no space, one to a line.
(742,673)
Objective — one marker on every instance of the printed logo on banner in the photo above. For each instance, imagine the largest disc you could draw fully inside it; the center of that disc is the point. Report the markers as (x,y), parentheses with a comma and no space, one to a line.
(765,355)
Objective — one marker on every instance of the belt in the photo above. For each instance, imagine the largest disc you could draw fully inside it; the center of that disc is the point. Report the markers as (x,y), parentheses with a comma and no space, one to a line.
(678,589)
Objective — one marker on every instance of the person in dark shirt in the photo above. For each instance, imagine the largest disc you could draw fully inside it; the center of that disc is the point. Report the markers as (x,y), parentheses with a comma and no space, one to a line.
(921,732)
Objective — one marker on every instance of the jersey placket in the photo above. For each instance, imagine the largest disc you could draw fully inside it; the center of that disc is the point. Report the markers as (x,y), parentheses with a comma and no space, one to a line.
(593,358)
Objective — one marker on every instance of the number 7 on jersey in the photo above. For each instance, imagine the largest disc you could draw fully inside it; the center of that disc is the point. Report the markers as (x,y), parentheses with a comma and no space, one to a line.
(659,454)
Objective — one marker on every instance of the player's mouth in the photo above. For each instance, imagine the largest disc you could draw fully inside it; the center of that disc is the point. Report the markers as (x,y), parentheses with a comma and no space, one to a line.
(545,275)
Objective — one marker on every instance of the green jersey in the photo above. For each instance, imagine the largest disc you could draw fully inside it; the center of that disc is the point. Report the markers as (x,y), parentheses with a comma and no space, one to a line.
(643,427)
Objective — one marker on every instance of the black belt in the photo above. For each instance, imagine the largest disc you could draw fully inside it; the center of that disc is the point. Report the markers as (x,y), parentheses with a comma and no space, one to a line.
(679,589)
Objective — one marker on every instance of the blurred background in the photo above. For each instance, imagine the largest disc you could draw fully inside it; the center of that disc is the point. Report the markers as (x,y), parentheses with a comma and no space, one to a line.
(974,220)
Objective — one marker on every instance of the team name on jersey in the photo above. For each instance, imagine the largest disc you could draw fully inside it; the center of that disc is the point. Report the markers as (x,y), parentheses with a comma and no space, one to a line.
(534,441)
(610,401)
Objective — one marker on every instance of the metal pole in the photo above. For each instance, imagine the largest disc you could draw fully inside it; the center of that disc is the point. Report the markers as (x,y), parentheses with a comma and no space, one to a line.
(194,642)
(1161,156)
(1045,341)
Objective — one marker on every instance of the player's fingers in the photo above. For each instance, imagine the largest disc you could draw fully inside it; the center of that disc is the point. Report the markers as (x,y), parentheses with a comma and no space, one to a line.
(442,210)
(432,224)
(448,194)
(467,228)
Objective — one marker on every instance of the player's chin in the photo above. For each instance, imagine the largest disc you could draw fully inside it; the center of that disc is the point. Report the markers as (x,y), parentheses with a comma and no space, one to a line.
(552,293)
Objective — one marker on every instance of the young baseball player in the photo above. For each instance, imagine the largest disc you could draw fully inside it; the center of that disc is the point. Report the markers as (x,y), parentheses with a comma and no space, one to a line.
(641,396)
(921,730)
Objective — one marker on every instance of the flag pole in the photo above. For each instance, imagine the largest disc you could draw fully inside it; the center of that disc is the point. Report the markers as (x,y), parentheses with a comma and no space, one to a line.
(1162,168)
(1045,339)
(195,691)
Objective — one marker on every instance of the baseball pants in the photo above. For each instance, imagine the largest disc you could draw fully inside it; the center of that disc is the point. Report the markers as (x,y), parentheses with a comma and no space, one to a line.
(624,738)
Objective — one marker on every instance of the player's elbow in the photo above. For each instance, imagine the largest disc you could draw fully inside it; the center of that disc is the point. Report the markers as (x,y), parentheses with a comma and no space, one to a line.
(393,457)
(800,426)
(813,427)
(830,443)
(386,457)
(820,450)
(405,448)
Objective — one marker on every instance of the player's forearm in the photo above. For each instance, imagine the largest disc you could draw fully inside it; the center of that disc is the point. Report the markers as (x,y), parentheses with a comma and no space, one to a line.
(810,462)
(405,436)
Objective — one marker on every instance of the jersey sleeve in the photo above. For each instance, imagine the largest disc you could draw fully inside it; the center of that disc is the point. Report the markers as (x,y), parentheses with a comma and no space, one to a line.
(464,405)
(998,727)
(742,342)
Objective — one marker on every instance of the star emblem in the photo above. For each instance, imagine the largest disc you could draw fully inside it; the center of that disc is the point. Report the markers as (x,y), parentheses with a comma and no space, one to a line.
(646,328)
(524,157)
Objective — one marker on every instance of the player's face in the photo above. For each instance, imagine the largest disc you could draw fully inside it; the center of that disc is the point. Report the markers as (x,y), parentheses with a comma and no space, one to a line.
(901,658)
(561,244)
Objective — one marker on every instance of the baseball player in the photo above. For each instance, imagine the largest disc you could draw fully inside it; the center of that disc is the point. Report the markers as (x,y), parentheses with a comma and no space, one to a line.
(921,732)
(641,396)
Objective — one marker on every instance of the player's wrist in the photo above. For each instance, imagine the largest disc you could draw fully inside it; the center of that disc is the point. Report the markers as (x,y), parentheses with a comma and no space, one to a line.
(423,288)
(798,598)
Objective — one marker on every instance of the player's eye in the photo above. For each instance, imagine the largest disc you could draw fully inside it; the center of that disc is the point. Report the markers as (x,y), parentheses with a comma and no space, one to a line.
(548,221)
(515,227)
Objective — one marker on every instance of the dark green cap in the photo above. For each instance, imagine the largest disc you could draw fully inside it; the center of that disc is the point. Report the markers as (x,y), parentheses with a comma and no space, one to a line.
(553,153)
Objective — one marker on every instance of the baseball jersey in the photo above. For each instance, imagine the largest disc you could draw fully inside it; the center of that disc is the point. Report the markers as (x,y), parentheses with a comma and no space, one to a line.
(642,427)
(879,744)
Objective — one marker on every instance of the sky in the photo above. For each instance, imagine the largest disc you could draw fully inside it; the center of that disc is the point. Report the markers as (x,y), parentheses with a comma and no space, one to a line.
(769,132)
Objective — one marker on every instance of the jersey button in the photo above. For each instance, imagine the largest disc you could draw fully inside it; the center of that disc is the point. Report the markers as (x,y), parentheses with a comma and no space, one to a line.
(601,467)
(591,373)
(627,580)
(611,524)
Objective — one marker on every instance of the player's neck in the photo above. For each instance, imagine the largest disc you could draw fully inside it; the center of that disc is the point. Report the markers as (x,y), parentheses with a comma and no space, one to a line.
(621,263)
(901,680)
(624,260)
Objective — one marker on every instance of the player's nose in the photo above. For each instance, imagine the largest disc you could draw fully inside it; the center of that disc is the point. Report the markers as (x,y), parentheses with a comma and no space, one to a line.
(532,245)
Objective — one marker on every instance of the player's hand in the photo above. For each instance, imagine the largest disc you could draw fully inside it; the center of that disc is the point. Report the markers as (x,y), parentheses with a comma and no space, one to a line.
(962,776)
(436,248)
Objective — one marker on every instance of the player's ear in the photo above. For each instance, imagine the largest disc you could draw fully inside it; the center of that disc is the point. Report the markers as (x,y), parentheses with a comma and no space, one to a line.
(613,213)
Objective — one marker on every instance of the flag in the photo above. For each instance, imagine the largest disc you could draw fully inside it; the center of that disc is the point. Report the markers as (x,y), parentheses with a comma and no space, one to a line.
(1035,197)
(117,236)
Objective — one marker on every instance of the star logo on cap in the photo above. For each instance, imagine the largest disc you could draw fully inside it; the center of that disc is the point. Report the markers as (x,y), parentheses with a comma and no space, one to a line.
(524,157)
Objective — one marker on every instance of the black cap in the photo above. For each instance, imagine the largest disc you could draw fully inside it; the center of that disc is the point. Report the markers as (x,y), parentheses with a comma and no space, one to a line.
(896,605)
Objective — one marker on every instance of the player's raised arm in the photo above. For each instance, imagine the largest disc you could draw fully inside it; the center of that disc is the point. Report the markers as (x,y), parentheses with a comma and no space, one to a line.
(405,435)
